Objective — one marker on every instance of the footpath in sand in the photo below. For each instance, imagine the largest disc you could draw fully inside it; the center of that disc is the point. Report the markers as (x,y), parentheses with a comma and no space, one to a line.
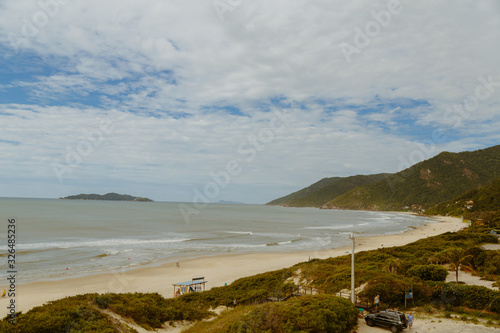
(217,270)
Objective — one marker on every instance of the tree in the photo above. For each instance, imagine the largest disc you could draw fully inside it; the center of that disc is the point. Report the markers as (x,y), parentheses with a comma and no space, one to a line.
(436,259)
(429,272)
(457,258)
(393,265)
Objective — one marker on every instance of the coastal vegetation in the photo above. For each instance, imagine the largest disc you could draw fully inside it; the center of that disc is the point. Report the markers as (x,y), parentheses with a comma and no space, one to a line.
(108,196)
(428,272)
(388,272)
(72,314)
(321,313)
(480,205)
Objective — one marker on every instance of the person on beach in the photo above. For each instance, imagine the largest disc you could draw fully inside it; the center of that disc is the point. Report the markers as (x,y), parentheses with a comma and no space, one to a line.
(178,264)
(4,293)
(377,301)
(410,320)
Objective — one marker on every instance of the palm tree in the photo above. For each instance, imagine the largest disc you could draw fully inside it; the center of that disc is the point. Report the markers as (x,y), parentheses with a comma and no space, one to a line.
(457,259)
(393,265)
(435,259)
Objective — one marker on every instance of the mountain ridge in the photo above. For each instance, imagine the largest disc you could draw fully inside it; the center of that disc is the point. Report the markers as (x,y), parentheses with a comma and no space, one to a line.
(427,183)
(324,190)
(417,188)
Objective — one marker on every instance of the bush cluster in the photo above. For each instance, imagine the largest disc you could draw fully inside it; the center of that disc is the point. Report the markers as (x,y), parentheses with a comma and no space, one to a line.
(83,313)
(393,289)
(470,296)
(150,310)
(72,314)
(247,290)
(429,272)
(320,313)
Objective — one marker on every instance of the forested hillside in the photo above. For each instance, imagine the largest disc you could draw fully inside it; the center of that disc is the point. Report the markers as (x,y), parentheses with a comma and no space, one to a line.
(325,190)
(479,205)
(427,183)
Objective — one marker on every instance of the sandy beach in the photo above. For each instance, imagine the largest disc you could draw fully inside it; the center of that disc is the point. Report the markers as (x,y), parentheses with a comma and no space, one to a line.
(217,270)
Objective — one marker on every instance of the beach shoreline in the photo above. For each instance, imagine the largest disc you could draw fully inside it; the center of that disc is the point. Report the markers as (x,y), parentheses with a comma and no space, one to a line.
(217,270)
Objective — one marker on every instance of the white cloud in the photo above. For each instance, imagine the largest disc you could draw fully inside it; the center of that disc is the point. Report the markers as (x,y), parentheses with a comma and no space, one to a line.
(160,60)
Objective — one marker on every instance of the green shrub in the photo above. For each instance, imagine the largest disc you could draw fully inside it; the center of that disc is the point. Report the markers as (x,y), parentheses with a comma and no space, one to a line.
(72,314)
(491,264)
(102,301)
(429,272)
(247,290)
(320,313)
(392,291)
(82,314)
(152,310)
(470,296)
(479,257)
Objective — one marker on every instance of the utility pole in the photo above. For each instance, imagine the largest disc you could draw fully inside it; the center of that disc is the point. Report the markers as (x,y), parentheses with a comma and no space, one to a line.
(353,300)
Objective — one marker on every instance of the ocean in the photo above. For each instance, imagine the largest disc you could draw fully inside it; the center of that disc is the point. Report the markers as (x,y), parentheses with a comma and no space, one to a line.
(63,238)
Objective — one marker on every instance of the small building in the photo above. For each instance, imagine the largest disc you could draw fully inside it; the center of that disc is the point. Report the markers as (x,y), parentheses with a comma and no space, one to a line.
(195,285)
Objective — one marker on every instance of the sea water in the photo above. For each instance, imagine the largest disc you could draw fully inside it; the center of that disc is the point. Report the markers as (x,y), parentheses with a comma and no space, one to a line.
(62,238)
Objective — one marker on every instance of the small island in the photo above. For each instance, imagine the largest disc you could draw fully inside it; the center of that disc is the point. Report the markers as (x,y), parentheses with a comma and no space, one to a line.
(108,196)
(225,202)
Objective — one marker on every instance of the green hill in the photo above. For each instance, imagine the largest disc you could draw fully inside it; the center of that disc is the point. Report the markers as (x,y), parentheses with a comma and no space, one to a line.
(486,198)
(477,205)
(284,201)
(325,190)
(425,184)
(108,196)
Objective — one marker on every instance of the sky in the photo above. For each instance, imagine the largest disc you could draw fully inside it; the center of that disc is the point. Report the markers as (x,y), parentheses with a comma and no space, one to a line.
(238,100)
